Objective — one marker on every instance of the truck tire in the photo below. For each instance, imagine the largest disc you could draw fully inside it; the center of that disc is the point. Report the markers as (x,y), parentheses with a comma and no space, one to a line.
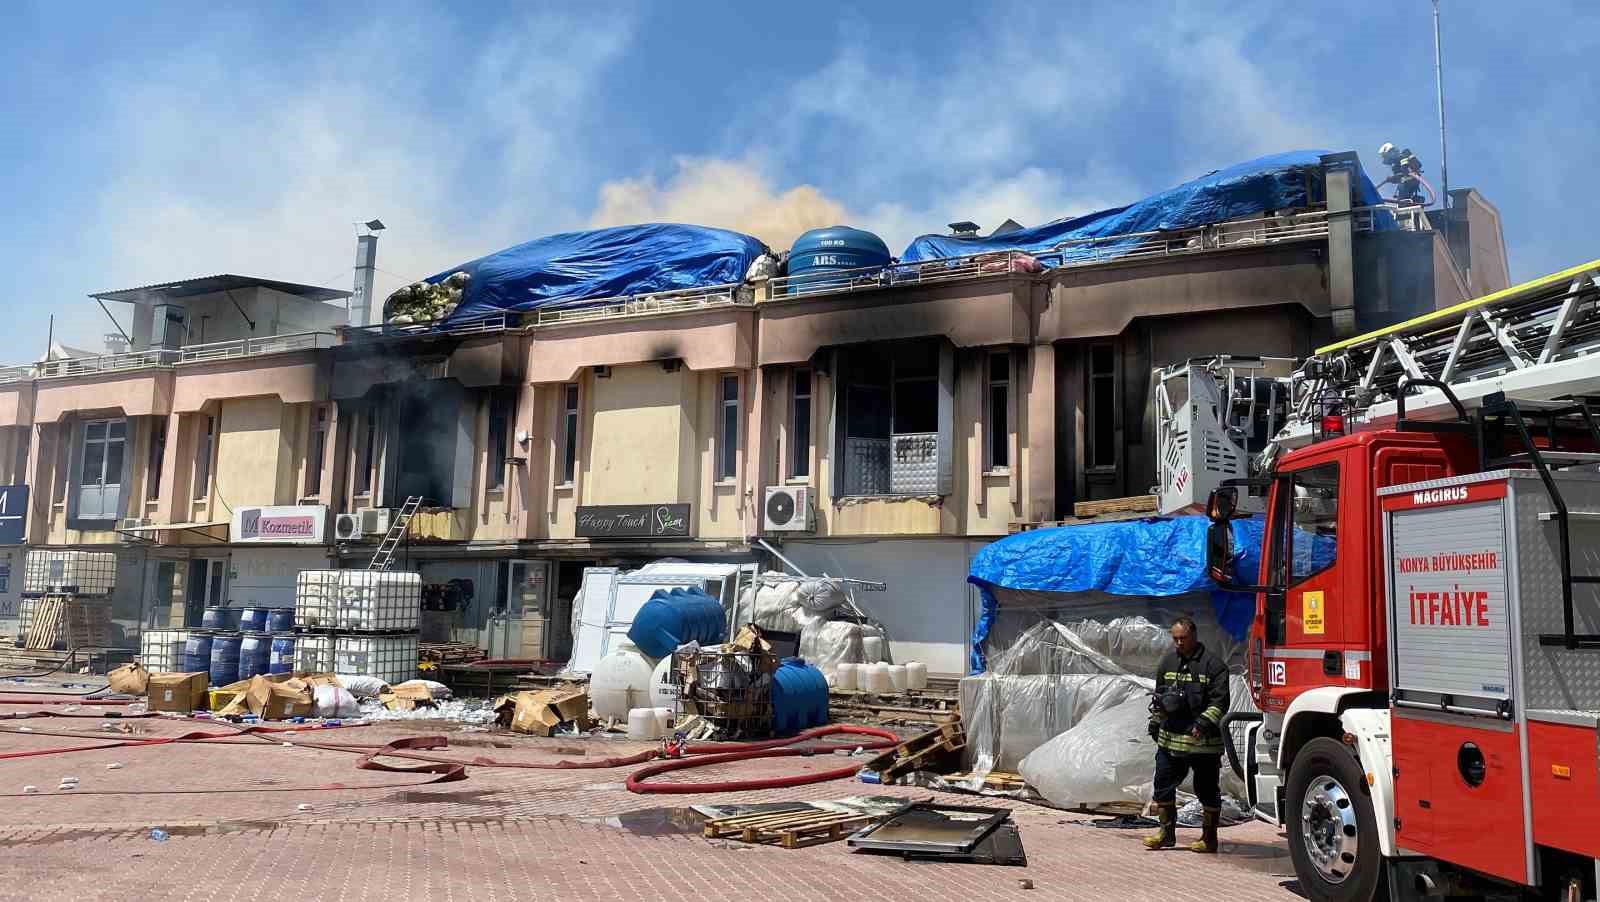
(1333,834)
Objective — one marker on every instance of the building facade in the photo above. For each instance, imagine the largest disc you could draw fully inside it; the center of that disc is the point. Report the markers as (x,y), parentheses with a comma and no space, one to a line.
(883,426)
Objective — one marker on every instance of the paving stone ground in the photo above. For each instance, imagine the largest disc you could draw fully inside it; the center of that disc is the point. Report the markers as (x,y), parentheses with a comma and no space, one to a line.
(238,830)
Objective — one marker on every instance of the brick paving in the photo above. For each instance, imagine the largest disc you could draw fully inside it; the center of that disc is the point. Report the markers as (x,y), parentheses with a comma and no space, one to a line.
(238,831)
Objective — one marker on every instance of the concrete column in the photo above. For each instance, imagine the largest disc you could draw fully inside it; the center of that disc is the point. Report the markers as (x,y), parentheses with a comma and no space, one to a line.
(758,427)
(1340,171)
(1040,491)
(172,497)
(41,461)
(334,452)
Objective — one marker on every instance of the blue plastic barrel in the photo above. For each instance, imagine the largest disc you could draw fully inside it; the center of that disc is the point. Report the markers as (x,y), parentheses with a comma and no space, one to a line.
(280,620)
(225,658)
(281,658)
(673,617)
(214,619)
(255,652)
(197,652)
(253,620)
(820,254)
(799,697)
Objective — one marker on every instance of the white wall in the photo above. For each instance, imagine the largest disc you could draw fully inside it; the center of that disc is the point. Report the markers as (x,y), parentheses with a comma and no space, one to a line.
(264,577)
(929,609)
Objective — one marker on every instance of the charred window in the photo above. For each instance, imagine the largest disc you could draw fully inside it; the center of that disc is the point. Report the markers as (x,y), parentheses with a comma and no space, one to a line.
(999,413)
(499,439)
(894,406)
(1101,413)
(157,455)
(315,449)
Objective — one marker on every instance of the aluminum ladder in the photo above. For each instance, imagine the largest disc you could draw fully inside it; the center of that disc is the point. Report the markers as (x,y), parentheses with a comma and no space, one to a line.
(383,558)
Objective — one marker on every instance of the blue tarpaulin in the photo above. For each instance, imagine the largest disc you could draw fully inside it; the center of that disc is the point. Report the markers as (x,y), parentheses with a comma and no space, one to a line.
(573,269)
(1277,182)
(1160,556)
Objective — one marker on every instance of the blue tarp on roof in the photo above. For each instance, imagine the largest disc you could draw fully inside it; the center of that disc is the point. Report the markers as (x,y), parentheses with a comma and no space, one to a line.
(1276,182)
(1159,556)
(573,269)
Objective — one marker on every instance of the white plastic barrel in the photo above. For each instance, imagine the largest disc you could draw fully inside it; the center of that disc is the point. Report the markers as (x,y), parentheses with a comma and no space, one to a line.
(916,675)
(665,718)
(871,647)
(897,677)
(877,678)
(643,725)
(845,675)
(620,682)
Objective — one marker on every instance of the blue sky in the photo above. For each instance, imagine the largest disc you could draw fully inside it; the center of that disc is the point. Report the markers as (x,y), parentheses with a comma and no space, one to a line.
(144,144)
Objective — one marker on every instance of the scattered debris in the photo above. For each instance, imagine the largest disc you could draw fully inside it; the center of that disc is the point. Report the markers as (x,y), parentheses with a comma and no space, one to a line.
(30,789)
(115,765)
(946,832)
(936,749)
(789,829)
(177,693)
(540,713)
(129,679)
(159,835)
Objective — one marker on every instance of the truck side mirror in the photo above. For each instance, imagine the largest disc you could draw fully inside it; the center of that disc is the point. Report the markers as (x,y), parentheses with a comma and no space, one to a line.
(1221,560)
(1222,504)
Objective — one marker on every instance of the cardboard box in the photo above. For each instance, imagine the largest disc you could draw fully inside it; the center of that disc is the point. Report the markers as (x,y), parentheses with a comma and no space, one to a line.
(278,696)
(406,697)
(129,679)
(177,692)
(539,713)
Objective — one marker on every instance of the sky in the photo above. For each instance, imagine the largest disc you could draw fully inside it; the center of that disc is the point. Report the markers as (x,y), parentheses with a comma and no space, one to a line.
(155,142)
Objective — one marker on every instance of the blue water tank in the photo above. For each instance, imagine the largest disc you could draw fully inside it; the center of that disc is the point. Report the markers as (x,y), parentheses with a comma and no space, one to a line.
(799,697)
(214,619)
(818,255)
(280,620)
(254,620)
(225,658)
(672,617)
(255,654)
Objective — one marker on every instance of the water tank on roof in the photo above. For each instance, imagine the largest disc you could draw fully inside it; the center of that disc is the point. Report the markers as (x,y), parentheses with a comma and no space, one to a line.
(820,254)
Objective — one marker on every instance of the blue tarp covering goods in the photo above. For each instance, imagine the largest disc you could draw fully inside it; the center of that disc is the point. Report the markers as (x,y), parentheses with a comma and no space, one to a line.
(1280,181)
(1152,557)
(574,269)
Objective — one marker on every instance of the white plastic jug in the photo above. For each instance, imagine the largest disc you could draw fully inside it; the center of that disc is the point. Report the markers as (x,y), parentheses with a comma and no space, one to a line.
(897,677)
(665,719)
(916,675)
(643,724)
(877,679)
(871,647)
(845,676)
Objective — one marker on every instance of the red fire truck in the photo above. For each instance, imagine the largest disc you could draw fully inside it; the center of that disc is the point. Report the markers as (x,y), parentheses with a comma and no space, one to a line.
(1426,650)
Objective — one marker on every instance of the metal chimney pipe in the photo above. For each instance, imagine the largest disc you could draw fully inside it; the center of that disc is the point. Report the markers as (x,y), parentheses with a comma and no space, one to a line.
(361,302)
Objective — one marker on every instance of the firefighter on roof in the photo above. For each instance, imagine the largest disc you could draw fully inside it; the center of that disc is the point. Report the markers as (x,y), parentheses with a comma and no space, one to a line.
(1185,721)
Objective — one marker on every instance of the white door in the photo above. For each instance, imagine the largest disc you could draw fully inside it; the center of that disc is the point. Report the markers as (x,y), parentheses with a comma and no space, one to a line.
(100,471)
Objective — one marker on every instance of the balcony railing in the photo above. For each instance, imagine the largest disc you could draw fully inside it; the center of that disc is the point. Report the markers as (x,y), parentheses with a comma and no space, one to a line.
(649,304)
(483,325)
(255,347)
(105,363)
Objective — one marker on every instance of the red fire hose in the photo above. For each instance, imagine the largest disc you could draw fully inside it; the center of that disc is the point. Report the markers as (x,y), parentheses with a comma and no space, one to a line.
(778,748)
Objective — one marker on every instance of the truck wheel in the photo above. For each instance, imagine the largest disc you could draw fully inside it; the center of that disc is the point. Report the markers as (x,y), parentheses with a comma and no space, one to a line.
(1333,834)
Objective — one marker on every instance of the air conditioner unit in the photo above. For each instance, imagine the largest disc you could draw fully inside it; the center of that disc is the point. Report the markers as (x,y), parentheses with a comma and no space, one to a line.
(134,523)
(375,521)
(347,527)
(787,509)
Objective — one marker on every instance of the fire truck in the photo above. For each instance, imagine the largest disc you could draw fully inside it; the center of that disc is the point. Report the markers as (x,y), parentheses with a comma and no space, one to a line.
(1426,648)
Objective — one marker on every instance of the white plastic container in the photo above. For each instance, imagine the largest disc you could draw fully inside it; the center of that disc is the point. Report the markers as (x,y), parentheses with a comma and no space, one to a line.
(69,573)
(358,599)
(871,647)
(316,599)
(662,695)
(897,677)
(643,725)
(392,659)
(666,718)
(621,682)
(916,675)
(313,654)
(161,651)
(846,676)
(877,679)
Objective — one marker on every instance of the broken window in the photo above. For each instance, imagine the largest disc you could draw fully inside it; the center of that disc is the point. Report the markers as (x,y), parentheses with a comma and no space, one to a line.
(895,403)
(999,415)
(1102,408)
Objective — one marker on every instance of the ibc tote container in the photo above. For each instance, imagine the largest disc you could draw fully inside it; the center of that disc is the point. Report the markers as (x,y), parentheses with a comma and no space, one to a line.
(392,659)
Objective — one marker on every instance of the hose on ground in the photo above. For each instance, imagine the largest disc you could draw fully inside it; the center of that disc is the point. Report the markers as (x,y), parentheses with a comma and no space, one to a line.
(637,781)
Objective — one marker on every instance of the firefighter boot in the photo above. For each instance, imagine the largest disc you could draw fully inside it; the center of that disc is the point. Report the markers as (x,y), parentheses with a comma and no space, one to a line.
(1208,832)
(1167,836)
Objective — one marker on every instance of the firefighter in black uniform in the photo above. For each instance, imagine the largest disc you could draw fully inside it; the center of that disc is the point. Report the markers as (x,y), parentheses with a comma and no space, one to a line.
(1186,723)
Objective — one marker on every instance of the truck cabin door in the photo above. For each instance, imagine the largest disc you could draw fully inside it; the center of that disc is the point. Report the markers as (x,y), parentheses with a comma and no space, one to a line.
(1303,626)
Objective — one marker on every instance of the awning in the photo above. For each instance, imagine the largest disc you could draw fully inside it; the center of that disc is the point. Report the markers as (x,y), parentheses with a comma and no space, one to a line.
(149,532)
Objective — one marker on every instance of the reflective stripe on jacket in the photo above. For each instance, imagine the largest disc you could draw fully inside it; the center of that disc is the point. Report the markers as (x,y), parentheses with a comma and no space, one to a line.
(1204,679)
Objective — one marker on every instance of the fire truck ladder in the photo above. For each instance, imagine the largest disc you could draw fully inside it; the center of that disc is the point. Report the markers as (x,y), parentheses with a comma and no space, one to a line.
(1536,341)
(383,558)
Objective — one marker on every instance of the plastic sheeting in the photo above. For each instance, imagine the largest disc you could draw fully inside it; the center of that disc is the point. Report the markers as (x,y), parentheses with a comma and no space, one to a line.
(573,269)
(1160,556)
(804,607)
(1281,181)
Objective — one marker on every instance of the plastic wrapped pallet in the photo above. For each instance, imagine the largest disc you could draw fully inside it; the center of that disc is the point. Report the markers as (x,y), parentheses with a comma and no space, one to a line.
(826,644)
(1107,757)
(1008,717)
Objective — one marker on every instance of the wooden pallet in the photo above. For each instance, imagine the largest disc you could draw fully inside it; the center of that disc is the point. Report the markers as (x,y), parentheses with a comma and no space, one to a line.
(932,750)
(1001,781)
(1131,504)
(77,622)
(789,829)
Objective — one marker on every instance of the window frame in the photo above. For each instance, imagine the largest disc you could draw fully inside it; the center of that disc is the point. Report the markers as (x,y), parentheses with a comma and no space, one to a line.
(997,418)
(205,441)
(801,403)
(155,459)
(316,450)
(726,466)
(1094,455)
(498,440)
(571,432)
(1291,526)
(367,459)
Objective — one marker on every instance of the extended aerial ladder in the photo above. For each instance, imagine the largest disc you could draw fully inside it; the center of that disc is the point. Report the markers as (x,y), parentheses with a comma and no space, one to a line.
(1536,342)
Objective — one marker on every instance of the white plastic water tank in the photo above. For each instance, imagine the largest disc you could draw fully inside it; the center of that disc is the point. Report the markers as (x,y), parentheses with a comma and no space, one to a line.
(643,725)
(846,675)
(897,677)
(661,692)
(877,678)
(871,645)
(620,682)
(916,675)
